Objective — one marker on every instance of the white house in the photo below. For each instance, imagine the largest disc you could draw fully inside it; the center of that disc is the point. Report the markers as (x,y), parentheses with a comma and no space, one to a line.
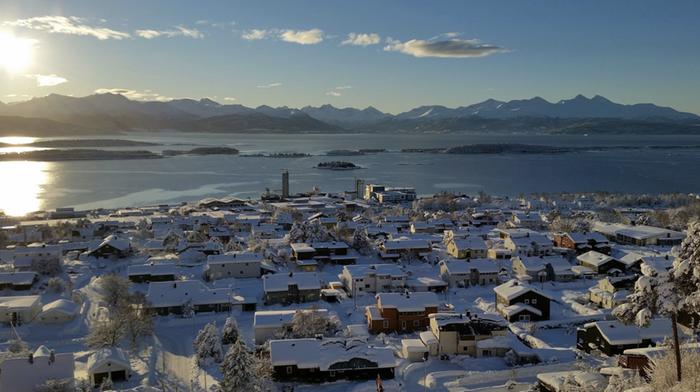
(58,311)
(27,373)
(108,362)
(19,310)
(234,265)
(469,273)
(373,278)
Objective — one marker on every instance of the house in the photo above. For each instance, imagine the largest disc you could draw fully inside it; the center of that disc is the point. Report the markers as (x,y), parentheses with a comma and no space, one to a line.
(302,251)
(112,247)
(291,288)
(108,362)
(527,219)
(175,297)
(541,269)
(529,245)
(423,227)
(469,273)
(266,323)
(613,337)
(372,278)
(467,248)
(152,272)
(29,258)
(645,359)
(458,334)
(234,265)
(601,263)
(414,350)
(640,235)
(384,194)
(19,310)
(396,248)
(518,302)
(583,242)
(335,252)
(58,312)
(611,291)
(401,312)
(426,283)
(326,360)
(22,374)
(23,280)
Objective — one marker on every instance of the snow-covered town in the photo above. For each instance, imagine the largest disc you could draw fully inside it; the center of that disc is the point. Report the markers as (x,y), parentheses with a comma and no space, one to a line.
(374,289)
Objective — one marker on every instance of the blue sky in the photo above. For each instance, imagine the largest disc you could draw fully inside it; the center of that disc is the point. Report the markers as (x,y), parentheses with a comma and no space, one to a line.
(413,52)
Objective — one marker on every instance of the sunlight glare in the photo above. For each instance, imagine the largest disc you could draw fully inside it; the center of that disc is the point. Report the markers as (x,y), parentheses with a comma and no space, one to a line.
(22,186)
(15,52)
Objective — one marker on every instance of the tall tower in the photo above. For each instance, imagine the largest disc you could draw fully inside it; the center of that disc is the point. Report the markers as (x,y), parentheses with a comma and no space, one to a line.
(285,184)
(359,188)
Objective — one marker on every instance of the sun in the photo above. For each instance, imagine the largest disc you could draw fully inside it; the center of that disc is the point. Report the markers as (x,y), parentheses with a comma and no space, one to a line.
(15,52)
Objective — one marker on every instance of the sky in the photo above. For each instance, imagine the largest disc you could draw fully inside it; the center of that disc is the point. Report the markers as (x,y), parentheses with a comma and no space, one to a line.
(393,55)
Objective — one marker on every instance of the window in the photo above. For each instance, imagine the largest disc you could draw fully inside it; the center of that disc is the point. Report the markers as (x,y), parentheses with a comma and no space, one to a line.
(534,301)
(403,324)
(289,370)
(416,323)
(527,302)
(332,373)
(386,324)
(524,317)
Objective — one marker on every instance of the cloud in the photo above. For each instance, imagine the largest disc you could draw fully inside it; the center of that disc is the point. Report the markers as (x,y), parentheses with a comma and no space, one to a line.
(256,34)
(336,92)
(145,95)
(362,39)
(178,31)
(270,85)
(444,48)
(230,99)
(71,25)
(302,37)
(47,80)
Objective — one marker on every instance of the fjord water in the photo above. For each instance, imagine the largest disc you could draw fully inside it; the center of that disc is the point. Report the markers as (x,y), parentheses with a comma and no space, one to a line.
(30,186)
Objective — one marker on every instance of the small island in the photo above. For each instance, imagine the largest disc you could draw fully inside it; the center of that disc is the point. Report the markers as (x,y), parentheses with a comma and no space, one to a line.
(337,165)
(203,151)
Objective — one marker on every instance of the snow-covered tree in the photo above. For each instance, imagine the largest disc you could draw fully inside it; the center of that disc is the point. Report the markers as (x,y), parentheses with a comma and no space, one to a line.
(56,385)
(229,332)
(113,288)
(188,309)
(107,384)
(142,230)
(312,322)
(664,373)
(105,333)
(207,344)
(624,381)
(306,231)
(238,369)
(361,242)
(137,317)
(56,285)
(668,293)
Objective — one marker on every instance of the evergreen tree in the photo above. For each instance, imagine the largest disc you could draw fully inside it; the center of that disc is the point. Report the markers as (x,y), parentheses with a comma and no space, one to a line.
(229,333)
(238,369)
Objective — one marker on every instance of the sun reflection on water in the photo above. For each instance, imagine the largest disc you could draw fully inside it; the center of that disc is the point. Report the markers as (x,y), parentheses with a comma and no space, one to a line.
(21,186)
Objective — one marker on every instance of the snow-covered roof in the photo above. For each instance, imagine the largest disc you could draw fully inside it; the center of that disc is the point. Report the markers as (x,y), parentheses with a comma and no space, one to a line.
(594,258)
(513,289)
(617,333)
(115,242)
(413,345)
(556,380)
(282,281)
(516,308)
(62,306)
(470,243)
(19,302)
(408,302)
(330,245)
(235,257)
(405,243)
(323,353)
(532,239)
(302,247)
(152,269)
(358,270)
(162,294)
(17,278)
(114,355)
